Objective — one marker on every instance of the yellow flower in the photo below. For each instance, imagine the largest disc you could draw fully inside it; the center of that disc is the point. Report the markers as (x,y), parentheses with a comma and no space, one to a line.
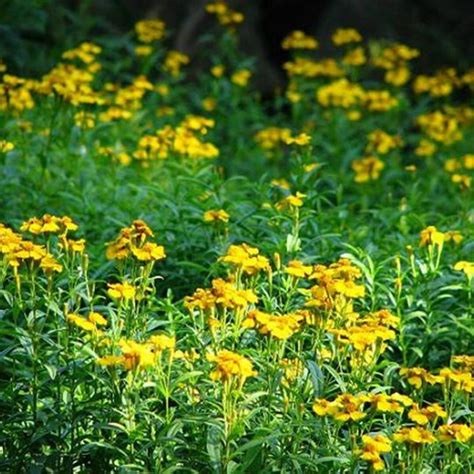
(397,76)
(292,201)
(422,416)
(340,93)
(173,62)
(299,40)
(321,407)
(301,140)
(425,148)
(209,104)
(84,120)
(344,36)
(218,71)
(416,436)
(82,323)
(281,327)
(143,50)
(216,216)
(49,265)
(223,294)
(136,355)
(225,15)
(97,319)
(150,30)
(453,235)
(417,376)
(246,258)
(381,142)
(121,291)
(73,245)
(455,432)
(109,360)
(281,183)
(271,137)
(149,252)
(379,100)
(241,77)
(394,403)
(162,342)
(347,407)
(230,366)
(462,179)
(49,224)
(431,236)
(367,169)
(355,57)
(372,447)
(298,269)
(6,146)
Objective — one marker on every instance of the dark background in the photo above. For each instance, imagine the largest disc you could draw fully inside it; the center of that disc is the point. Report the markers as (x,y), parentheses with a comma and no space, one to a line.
(33,33)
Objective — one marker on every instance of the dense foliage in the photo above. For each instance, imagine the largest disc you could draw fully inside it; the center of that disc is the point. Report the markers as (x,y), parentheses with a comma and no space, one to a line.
(194,279)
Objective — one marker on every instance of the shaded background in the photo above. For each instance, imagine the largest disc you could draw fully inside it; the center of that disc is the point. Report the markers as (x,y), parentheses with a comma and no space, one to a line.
(33,33)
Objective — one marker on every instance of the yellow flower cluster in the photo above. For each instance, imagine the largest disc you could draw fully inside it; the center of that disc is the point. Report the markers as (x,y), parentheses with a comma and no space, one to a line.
(139,355)
(382,142)
(85,52)
(453,379)
(6,146)
(373,447)
(245,259)
(355,57)
(74,83)
(440,127)
(432,236)
(367,169)
(125,99)
(121,291)
(174,61)
(241,77)
(335,287)
(89,324)
(422,416)
(224,14)
(218,215)
(310,68)
(280,327)
(49,224)
(466,267)
(183,141)
(455,432)
(394,60)
(340,93)
(17,250)
(343,36)
(222,294)
(379,100)
(15,94)
(292,202)
(343,408)
(84,119)
(441,84)
(299,40)
(150,30)
(231,366)
(132,242)
(458,167)
(271,137)
(416,436)
(367,336)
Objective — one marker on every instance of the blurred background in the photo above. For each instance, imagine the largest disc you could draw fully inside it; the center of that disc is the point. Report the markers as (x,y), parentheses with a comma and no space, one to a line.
(33,33)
